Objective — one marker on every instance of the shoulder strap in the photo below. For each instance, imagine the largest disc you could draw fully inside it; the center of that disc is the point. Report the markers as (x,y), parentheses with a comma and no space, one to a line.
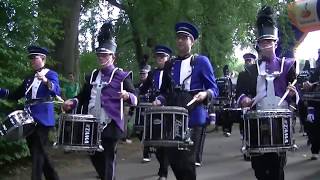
(93,76)
(192,64)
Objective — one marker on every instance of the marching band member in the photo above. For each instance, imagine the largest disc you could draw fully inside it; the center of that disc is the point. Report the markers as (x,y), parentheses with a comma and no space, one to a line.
(188,77)
(102,96)
(227,121)
(153,82)
(313,112)
(39,89)
(249,59)
(267,165)
(143,97)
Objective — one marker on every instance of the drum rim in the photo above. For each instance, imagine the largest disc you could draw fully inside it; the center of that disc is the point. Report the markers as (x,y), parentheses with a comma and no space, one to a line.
(144,104)
(177,109)
(76,118)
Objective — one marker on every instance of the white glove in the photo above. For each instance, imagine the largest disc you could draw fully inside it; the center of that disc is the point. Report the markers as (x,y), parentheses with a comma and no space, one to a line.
(310,117)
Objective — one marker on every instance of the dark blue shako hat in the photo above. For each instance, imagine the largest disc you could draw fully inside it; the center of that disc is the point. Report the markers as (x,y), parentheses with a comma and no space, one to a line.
(161,49)
(188,29)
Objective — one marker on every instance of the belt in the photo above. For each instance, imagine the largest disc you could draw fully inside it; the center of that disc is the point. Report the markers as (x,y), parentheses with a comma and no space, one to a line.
(31,102)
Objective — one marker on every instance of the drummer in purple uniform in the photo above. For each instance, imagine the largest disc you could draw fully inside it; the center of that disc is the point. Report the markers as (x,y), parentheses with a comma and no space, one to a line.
(189,76)
(39,89)
(103,95)
(267,166)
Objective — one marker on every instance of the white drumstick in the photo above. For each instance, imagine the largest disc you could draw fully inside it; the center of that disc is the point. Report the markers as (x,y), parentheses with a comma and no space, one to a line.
(192,101)
(59,99)
(286,93)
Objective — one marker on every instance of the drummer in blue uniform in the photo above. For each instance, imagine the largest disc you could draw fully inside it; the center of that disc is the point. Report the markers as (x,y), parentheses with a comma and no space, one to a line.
(188,77)
(38,89)
(162,55)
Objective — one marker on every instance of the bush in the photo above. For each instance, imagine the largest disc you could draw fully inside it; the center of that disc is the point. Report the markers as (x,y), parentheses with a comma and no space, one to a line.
(11,151)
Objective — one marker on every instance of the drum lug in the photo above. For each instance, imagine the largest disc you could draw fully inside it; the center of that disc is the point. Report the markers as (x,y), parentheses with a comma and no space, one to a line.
(295,147)
(100,148)
(55,145)
(243,149)
(189,141)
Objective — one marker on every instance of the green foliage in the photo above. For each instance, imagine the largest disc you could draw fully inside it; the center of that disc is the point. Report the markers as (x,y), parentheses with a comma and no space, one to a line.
(22,23)
(88,62)
(222,25)
(11,151)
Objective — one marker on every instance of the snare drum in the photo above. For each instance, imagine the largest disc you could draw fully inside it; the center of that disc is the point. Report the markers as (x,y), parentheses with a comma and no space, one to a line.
(311,96)
(78,132)
(268,131)
(139,117)
(17,125)
(166,126)
(233,114)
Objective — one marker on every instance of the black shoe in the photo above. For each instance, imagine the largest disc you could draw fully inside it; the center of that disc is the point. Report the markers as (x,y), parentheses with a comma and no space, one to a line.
(314,157)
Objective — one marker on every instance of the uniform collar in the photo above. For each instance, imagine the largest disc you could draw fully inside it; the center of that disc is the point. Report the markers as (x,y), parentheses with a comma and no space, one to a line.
(184,57)
(107,70)
(39,70)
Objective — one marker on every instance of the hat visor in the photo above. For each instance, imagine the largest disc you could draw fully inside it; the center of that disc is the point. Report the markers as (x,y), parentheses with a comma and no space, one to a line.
(39,54)
(186,33)
(161,53)
(104,51)
(269,37)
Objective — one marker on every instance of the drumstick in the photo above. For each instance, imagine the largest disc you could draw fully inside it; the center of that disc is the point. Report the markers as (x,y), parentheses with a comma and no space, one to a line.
(59,99)
(286,93)
(192,101)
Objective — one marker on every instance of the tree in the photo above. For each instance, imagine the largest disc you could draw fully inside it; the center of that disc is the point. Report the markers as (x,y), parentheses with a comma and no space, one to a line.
(66,47)
(223,24)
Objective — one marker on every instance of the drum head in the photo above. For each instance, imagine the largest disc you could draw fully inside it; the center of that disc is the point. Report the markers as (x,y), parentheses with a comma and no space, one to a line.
(170,109)
(18,125)
(143,104)
(77,117)
(20,132)
(275,113)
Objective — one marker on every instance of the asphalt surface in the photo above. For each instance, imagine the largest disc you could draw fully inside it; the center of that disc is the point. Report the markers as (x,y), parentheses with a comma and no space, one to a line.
(222,160)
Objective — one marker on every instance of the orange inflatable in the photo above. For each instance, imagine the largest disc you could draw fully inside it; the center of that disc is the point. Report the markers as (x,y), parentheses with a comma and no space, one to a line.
(304,15)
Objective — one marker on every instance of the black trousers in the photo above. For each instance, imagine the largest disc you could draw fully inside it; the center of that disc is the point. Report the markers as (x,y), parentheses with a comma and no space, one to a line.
(314,130)
(314,136)
(227,121)
(303,112)
(162,157)
(269,166)
(198,136)
(182,163)
(104,162)
(37,143)
(146,150)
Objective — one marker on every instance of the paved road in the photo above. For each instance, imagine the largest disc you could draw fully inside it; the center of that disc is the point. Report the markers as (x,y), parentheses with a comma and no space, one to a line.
(222,160)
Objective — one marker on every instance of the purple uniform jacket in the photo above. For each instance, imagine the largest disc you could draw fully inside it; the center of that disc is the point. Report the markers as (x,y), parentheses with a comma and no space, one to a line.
(109,95)
(247,80)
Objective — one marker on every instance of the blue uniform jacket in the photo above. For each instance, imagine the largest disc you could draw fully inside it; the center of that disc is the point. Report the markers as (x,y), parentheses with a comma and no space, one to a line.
(202,79)
(43,113)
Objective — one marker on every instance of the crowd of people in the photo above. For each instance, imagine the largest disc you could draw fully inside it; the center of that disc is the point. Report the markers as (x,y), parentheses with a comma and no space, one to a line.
(186,80)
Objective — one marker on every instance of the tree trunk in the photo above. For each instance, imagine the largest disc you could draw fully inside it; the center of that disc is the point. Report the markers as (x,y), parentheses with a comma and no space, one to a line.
(66,49)
(134,29)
